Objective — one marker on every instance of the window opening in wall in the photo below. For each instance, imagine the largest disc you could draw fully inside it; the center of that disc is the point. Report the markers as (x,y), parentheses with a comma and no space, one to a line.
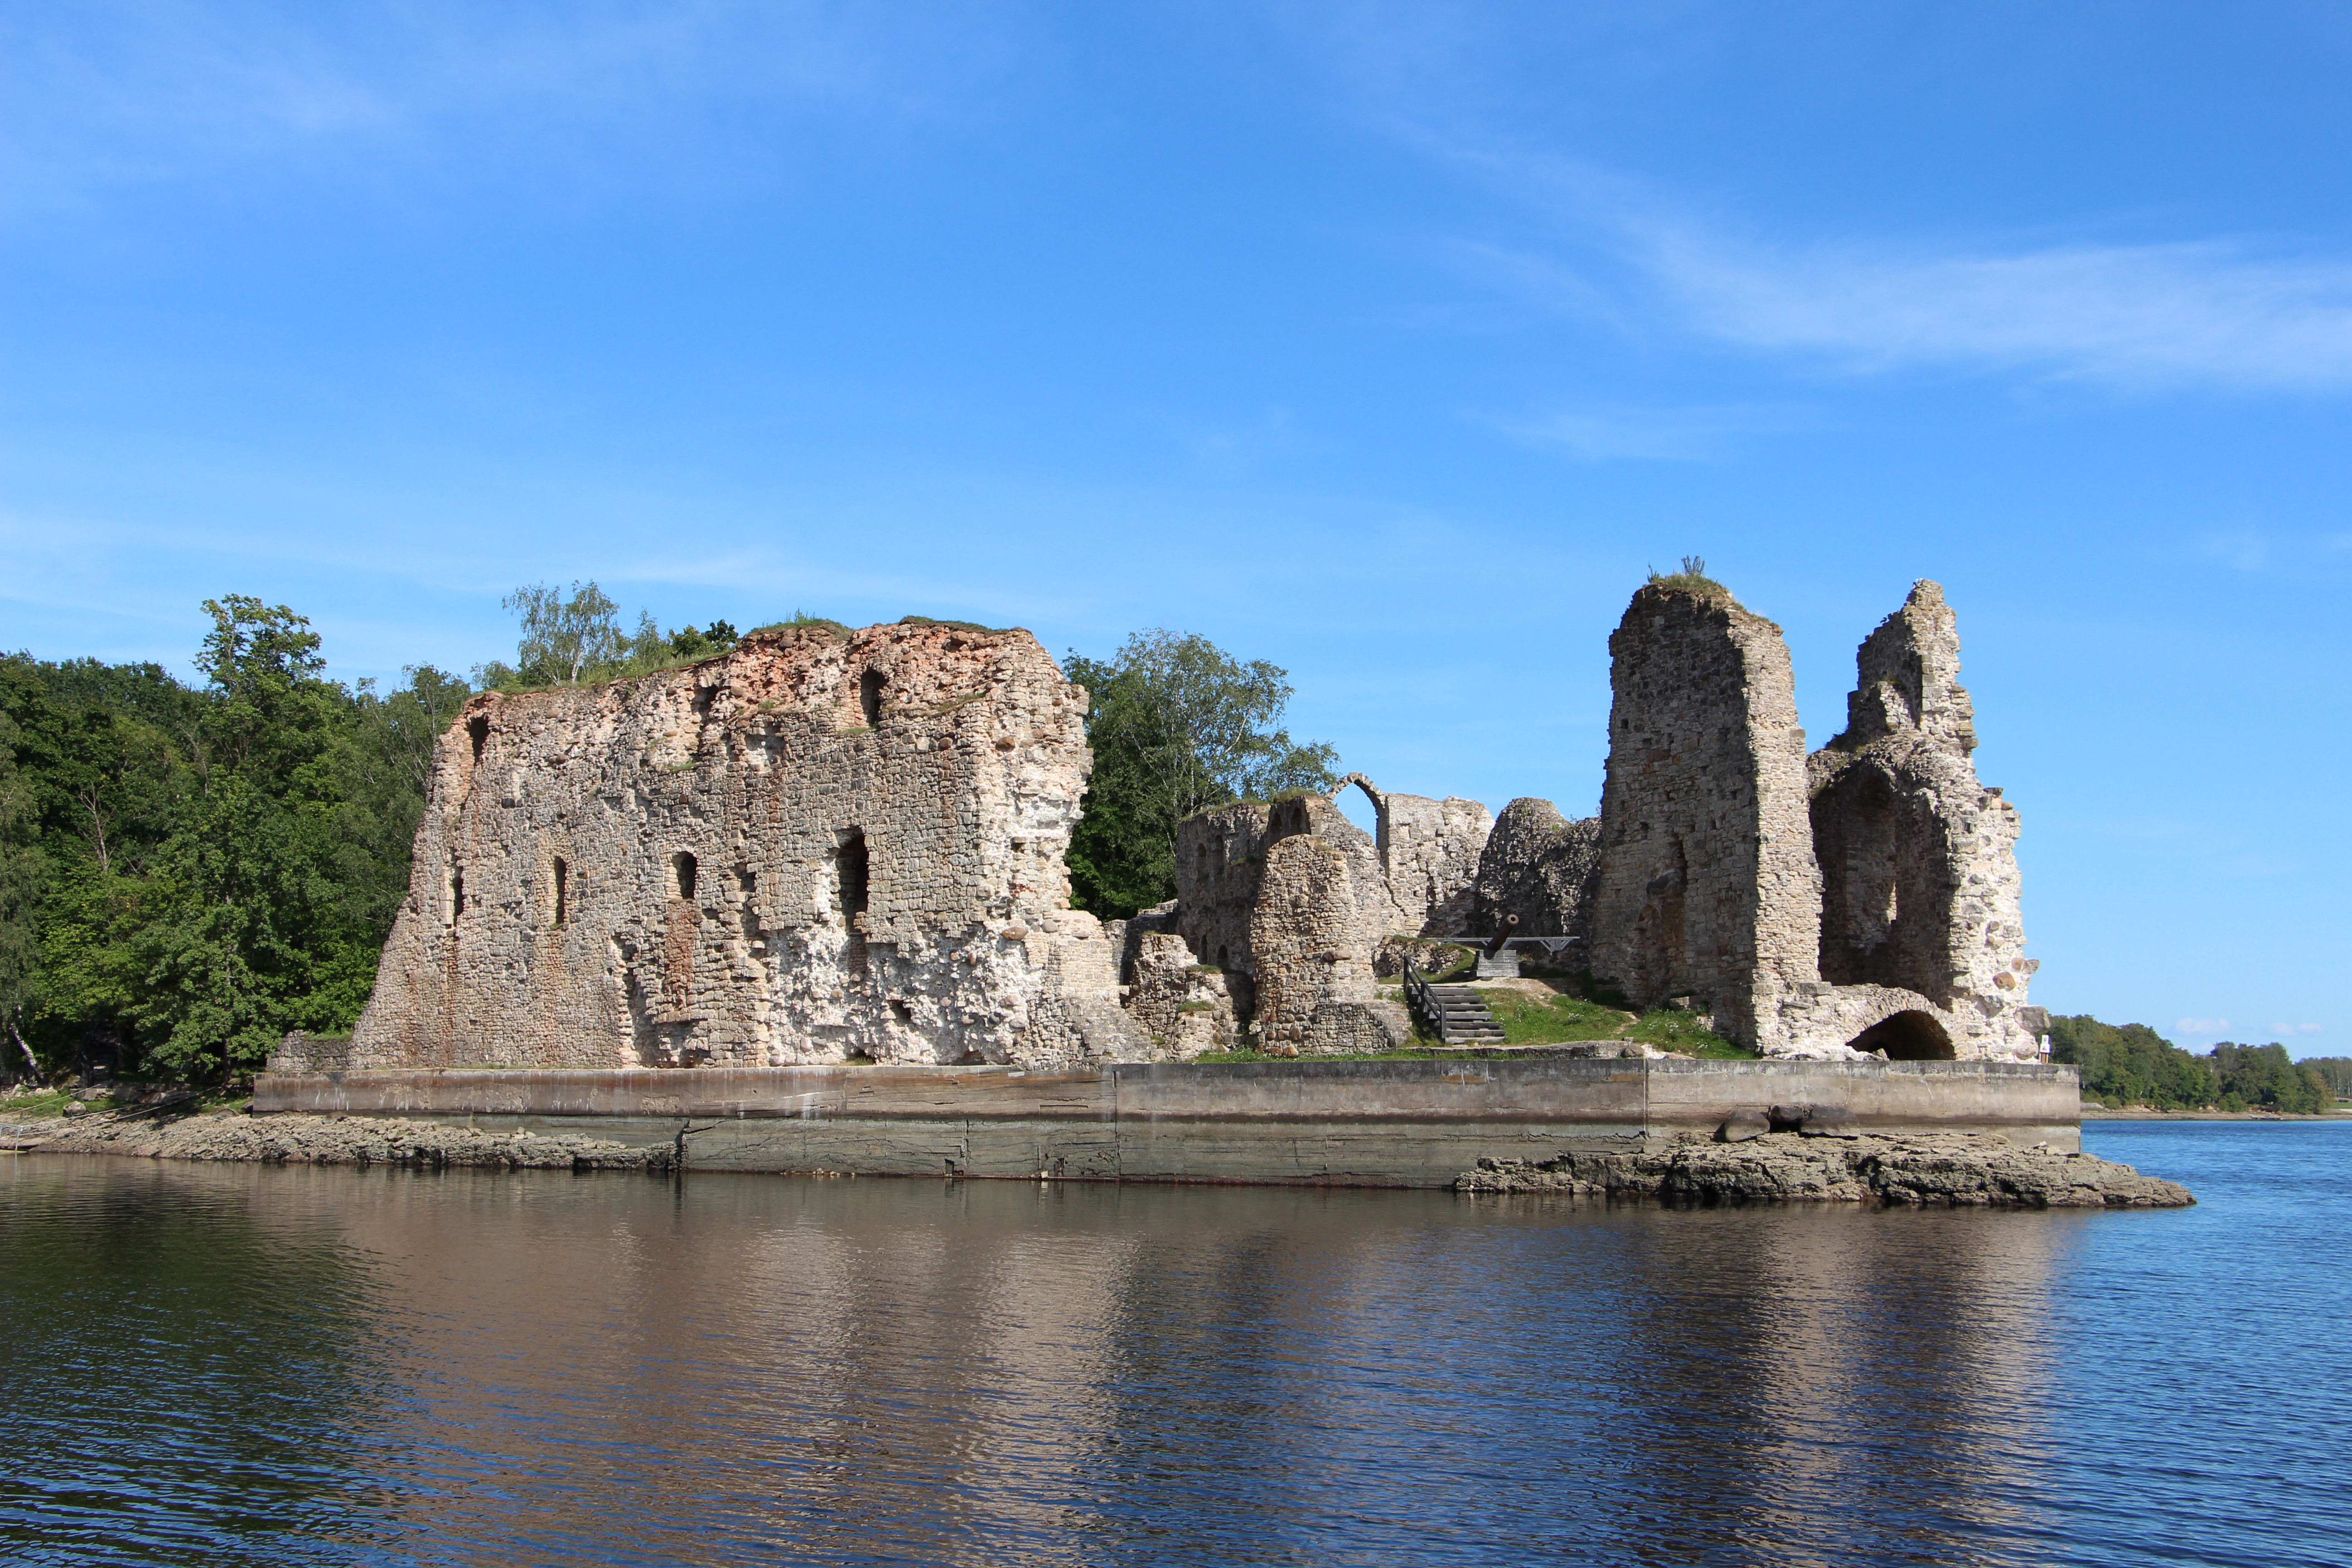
(850,862)
(681,867)
(561,877)
(900,1011)
(456,893)
(869,696)
(477,728)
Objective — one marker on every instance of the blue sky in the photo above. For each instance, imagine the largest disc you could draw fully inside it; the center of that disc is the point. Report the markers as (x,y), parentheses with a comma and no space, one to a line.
(1390,342)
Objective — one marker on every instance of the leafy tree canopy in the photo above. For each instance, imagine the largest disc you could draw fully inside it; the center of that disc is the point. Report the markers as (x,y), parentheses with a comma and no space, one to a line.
(2134,1065)
(1178,726)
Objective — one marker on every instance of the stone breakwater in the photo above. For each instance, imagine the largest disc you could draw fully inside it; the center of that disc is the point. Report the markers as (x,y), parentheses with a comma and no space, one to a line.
(1955,1169)
(329,1141)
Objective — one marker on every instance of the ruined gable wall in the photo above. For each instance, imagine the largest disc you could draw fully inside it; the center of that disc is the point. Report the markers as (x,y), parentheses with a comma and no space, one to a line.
(1539,865)
(1920,885)
(1428,859)
(1706,884)
(954,758)
(1313,958)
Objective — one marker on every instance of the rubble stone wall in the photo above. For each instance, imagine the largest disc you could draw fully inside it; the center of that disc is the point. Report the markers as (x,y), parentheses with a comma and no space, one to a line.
(819,846)
(1920,884)
(1539,865)
(1312,960)
(1428,857)
(1707,886)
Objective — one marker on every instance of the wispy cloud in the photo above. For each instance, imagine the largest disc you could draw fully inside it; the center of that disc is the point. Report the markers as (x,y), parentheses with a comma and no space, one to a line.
(2209,313)
(1692,434)
(2203,1026)
(2287,1031)
(116,91)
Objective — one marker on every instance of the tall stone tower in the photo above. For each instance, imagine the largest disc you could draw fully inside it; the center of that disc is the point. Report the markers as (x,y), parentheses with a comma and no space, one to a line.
(1708,886)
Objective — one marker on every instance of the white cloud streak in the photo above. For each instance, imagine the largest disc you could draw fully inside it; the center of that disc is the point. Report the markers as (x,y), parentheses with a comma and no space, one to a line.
(2150,316)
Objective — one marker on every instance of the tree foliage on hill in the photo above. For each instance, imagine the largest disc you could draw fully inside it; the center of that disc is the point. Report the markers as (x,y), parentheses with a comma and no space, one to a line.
(568,640)
(2134,1065)
(188,872)
(1178,726)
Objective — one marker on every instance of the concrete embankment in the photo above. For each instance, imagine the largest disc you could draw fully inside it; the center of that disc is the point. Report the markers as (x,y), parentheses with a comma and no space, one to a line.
(1966,1132)
(1418,1123)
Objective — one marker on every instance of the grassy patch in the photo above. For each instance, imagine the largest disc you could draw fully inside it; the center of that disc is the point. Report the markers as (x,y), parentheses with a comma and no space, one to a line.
(1529,1020)
(1672,1029)
(1408,1054)
(1693,580)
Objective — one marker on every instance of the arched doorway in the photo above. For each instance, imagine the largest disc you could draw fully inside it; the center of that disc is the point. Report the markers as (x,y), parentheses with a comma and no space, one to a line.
(1912,1036)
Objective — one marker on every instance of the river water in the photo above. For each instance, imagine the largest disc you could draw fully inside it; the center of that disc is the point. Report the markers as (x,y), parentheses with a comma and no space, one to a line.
(241,1364)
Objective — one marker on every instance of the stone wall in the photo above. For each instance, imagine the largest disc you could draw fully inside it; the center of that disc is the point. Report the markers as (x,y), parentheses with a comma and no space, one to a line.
(1707,886)
(1541,867)
(1429,852)
(1920,887)
(1312,963)
(1186,1005)
(820,846)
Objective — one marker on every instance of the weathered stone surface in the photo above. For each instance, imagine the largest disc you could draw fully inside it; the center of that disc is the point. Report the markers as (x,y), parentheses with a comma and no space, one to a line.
(1313,962)
(1429,855)
(1539,865)
(299,1139)
(818,847)
(1706,884)
(1947,1169)
(1920,885)
(1185,1004)
(1741,1125)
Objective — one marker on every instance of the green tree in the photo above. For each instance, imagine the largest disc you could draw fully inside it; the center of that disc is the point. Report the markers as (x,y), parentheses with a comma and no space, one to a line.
(2263,1076)
(1178,726)
(2133,1065)
(24,882)
(564,640)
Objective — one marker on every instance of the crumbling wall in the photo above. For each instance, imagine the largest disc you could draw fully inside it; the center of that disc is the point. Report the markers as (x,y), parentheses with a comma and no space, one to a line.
(820,846)
(1541,867)
(1312,958)
(1706,885)
(1427,857)
(1920,890)
(1186,1005)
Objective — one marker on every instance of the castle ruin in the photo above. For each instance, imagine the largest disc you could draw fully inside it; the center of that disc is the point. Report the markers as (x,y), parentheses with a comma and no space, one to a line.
(832,846)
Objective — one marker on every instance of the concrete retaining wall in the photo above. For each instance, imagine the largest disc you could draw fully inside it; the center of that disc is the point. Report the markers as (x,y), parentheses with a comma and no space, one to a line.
(1352,1124)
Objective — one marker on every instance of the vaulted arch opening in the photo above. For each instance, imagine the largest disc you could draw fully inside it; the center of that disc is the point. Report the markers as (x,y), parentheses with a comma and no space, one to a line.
(1912,1036)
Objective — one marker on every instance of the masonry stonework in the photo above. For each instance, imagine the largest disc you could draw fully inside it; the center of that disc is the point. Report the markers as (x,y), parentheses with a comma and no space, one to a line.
(1706,885)
(832,846)
(823,847)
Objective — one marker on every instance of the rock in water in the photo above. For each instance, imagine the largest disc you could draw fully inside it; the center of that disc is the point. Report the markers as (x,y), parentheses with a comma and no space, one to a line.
(1959,1169)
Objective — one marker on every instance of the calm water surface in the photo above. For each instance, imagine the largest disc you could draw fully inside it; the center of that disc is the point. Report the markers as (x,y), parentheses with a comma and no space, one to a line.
(233,1364)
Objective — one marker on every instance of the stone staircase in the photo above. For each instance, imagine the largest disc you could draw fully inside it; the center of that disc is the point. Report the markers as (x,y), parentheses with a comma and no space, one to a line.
(1456,1015)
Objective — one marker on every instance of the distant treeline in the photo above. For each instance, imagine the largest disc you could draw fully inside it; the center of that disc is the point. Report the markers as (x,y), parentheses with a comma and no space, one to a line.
(188,872)
(2131,1064)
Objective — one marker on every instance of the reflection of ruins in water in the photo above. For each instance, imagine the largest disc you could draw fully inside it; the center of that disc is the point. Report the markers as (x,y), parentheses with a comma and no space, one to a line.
(990,1372)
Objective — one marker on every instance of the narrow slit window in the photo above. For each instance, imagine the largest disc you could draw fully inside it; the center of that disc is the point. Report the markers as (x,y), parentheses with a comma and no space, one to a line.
(681,867)
(477,728)
(869,696)
(562,878)
(457,893)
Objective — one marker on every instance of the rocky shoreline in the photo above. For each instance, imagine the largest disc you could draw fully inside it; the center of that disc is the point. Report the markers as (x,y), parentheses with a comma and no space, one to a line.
(299,1139)
(1961,1168)
(1952,1169)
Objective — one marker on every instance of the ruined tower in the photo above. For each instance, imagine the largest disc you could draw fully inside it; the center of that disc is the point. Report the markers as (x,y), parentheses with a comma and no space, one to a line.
(1920,879)
(1707,886)
(824,846)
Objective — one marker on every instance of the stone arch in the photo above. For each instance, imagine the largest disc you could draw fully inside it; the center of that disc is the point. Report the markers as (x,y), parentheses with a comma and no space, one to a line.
(1380,809)
(1910,1035)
